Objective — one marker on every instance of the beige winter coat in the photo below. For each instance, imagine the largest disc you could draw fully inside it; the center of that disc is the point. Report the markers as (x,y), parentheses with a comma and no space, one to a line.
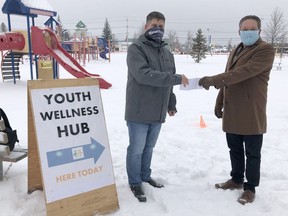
(243,89)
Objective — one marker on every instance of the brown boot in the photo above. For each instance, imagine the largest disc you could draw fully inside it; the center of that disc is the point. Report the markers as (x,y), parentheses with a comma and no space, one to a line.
(247,197)
(229,185)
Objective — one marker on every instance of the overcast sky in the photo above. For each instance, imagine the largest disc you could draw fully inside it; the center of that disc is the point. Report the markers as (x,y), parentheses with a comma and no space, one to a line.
(218,18)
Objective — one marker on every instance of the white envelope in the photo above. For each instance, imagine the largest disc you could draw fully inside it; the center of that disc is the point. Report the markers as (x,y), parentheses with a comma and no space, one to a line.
(193,84)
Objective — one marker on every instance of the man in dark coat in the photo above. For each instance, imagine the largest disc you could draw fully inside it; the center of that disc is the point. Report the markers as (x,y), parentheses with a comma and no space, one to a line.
(149,96)
(241,103)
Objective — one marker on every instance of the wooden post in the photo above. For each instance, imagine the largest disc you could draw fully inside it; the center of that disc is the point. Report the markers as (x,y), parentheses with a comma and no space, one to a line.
(109,46)
(84,50)
(97,47)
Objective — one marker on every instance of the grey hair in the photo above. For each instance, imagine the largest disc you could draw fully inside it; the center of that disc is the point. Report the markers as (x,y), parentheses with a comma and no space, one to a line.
(253,17)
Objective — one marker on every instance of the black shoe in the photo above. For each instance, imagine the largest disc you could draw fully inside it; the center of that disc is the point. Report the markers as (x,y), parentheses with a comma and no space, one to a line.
(154,183)
(138,193)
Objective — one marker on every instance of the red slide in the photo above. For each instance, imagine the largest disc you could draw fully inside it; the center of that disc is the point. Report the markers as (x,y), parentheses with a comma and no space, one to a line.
(44,42)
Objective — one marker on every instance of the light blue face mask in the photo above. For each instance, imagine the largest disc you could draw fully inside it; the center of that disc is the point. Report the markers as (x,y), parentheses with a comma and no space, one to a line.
(248,38)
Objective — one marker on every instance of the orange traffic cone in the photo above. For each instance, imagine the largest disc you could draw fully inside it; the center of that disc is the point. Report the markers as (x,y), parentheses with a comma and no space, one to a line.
(202,122)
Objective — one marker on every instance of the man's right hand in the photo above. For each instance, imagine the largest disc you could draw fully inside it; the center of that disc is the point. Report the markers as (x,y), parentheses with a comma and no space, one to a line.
(218,111)
(206,82)
(185,80)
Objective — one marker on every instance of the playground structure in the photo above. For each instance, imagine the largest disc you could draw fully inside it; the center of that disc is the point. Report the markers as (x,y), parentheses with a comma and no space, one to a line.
(44,42)
(10,61)
(88,49)
(102,43)
(36,42)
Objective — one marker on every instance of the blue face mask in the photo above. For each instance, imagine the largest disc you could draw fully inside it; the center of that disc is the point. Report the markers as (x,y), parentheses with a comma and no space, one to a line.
(155,34)
(248,38)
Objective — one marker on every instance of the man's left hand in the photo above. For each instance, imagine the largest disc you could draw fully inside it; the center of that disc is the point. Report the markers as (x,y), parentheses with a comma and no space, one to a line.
(206,82)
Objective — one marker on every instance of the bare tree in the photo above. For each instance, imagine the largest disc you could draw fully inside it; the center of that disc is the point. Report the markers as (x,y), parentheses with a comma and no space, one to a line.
(140,31)
(275,31)
(229,46)
(172,40)
(135,37)
(189,42)
(3,27)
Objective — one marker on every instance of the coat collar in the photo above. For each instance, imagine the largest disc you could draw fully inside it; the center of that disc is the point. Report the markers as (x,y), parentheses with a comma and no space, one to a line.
(144,40)
(244,49)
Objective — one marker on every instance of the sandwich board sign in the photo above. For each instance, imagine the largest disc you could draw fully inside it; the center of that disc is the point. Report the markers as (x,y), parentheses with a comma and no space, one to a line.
(71,144)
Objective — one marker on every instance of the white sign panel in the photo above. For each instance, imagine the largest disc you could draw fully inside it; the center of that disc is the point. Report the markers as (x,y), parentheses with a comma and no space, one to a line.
(72,140)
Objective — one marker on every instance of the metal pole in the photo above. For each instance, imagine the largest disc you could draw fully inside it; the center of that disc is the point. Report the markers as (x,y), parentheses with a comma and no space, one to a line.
(127,33)
(12,55)
(30,48)
(1,170)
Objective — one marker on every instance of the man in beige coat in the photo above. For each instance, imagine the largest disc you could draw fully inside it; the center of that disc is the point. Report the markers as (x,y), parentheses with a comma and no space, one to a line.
(241,103)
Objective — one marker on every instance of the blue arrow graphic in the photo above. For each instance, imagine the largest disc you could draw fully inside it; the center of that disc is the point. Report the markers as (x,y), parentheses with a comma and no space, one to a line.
(69,155)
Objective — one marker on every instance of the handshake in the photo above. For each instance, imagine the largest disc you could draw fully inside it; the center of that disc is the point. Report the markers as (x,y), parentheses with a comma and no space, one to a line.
(206,82)
(196,83)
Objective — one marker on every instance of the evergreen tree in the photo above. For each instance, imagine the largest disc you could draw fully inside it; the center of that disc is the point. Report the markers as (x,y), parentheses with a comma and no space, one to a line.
(62,32)
(3,27)
(199,47)
(107,33)
(59,28)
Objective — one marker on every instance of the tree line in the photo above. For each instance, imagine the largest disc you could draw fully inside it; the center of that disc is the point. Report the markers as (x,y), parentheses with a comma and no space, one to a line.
(274,33)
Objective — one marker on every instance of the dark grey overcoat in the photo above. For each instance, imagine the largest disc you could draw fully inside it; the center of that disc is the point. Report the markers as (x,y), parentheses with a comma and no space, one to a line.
(150,81)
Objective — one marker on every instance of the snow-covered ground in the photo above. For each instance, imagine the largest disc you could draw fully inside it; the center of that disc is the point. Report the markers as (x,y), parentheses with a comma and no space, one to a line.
(188,159)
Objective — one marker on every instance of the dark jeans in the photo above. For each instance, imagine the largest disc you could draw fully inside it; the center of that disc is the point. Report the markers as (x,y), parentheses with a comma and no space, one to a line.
(252,151)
